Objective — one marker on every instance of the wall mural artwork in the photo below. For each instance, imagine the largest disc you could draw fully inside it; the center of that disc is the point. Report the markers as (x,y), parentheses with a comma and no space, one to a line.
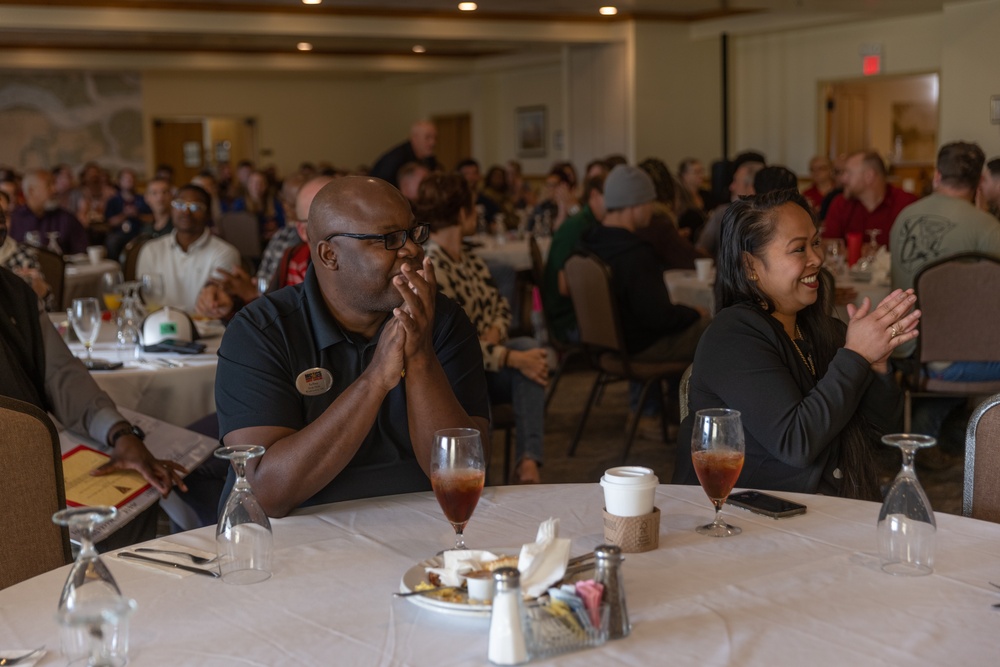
(48,118)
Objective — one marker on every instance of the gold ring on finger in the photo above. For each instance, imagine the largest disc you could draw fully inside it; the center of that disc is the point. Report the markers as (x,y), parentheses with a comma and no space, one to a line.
(893,332)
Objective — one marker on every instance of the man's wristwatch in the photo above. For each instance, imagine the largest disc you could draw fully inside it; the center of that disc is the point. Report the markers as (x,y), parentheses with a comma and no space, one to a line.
(125,429)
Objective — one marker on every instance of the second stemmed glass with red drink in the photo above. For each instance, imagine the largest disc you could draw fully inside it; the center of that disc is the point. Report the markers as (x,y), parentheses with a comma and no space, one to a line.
(717,449)
(458,473)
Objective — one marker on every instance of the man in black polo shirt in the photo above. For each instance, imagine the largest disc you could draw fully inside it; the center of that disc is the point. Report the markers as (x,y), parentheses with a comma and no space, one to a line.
(319,373)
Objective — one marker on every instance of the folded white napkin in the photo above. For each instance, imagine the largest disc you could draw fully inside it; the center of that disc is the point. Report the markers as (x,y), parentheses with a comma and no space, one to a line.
(881,267)
(543,562)
(457,563)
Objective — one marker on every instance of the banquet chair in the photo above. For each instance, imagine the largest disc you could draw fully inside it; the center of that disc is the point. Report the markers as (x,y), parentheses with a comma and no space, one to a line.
(564,351)
(980,492)
(31,493)
(53,267)
(959,298)
(241,229)
(129,256)
(682,392)
(601,334)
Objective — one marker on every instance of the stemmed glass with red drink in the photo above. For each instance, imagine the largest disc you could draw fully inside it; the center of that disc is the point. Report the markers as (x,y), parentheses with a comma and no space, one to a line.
(458,473)
(717,453)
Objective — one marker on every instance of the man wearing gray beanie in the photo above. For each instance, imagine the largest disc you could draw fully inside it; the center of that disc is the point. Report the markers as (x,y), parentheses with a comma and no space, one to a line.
(655,328)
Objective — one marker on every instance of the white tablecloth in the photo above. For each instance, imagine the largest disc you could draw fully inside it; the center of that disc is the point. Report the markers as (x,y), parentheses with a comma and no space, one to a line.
(513,252)
(874,291)
(800,591)
(685,288)
(179,396)
(83,279)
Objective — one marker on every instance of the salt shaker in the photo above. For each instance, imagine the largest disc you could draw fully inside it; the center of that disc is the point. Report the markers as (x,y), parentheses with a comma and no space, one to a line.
(608,560)
(507,645)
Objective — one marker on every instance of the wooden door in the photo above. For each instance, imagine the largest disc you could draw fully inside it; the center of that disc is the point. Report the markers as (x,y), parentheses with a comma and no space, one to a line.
(848,121)
(181,145)
(454,139)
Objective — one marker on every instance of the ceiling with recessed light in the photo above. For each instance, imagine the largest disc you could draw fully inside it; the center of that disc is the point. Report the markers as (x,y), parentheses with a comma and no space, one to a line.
(374,28)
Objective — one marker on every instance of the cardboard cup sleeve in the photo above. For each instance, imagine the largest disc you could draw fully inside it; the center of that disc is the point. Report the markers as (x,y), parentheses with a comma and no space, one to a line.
(633,534)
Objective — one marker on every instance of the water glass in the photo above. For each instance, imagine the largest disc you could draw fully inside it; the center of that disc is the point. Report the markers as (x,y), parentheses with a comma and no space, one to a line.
(243,538)
(906,524)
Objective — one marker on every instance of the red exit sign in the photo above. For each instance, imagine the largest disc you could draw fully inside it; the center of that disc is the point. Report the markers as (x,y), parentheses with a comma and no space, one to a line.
(871,65)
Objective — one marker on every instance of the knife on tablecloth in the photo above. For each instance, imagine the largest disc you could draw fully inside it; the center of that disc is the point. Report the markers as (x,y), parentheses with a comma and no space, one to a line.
(179,566)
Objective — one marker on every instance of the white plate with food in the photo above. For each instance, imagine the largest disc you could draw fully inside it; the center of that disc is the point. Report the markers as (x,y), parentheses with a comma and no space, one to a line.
(454,601)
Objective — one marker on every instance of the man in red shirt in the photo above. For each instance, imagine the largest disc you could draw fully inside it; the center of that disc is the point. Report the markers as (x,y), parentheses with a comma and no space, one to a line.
(221,298)
(868,202)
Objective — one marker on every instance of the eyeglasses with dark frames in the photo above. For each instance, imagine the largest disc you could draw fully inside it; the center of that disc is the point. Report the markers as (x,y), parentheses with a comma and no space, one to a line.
(393,240)
(189,206)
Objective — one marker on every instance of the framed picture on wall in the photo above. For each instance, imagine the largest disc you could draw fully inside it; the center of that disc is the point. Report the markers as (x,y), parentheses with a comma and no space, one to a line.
(531,132)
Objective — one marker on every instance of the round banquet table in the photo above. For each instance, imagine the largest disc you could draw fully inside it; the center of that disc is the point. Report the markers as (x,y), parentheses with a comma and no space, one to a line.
(805,590)
(685,288)
(180,394)
(515,253)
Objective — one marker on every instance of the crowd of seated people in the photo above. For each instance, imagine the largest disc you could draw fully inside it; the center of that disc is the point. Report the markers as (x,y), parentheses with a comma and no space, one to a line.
(364,272)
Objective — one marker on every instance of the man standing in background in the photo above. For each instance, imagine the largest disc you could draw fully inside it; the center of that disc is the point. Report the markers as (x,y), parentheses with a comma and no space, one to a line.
(418,148)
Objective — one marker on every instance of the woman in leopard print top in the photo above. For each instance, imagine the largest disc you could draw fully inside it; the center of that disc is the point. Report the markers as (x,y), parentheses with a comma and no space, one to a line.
(516,369)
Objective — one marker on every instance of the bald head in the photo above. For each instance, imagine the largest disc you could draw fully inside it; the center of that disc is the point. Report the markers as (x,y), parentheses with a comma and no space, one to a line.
(37,187)
(356,274)
(307,193)
(423,138)
(355,204)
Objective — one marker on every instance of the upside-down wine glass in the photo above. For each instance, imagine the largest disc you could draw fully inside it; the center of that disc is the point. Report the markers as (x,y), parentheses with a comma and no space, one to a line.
(152,291)
(717,449)
(89,588)
(458,473)
(906,525)
(243,538)
(85,316)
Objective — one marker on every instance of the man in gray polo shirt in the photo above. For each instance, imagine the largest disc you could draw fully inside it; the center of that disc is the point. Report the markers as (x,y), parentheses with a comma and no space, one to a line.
(345,378)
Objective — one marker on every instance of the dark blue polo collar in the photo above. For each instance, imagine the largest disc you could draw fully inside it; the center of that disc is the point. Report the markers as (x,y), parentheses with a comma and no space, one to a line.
(326,330)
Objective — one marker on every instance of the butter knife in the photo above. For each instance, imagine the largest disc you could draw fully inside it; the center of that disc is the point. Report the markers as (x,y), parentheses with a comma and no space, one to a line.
(179,566)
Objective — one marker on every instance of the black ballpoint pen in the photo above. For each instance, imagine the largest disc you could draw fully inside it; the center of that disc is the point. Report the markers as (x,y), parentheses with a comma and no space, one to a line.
(179,566)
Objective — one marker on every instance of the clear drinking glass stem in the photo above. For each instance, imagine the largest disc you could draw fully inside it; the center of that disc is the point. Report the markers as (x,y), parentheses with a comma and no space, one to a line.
(909,454)
(718,522)
(459,537)
(87,345)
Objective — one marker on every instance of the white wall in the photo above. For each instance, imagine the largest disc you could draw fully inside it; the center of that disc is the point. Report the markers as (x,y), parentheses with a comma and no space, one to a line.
(776,78)
(970,51)
(600,102)
(678,94)
(491,97)
(348,121)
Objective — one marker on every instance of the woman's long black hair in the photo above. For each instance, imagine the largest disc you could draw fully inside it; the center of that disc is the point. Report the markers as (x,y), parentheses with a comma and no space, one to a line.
(747,227)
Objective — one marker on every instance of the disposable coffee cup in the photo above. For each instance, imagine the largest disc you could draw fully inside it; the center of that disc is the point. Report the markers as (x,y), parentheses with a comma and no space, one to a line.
(95,253)
(629,490)
(703,268)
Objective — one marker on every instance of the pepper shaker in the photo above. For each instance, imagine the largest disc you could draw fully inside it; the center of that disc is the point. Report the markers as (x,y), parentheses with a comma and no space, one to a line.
(507,645)
(608,560)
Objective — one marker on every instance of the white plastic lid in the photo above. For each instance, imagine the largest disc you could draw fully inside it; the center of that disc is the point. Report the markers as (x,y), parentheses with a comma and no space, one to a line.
(633,476)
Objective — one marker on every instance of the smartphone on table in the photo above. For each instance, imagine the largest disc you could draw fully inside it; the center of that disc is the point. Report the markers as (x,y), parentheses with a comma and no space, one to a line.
(765,504)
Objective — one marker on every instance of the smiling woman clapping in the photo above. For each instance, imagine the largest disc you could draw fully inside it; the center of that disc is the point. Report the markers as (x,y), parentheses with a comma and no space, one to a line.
(814,394)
